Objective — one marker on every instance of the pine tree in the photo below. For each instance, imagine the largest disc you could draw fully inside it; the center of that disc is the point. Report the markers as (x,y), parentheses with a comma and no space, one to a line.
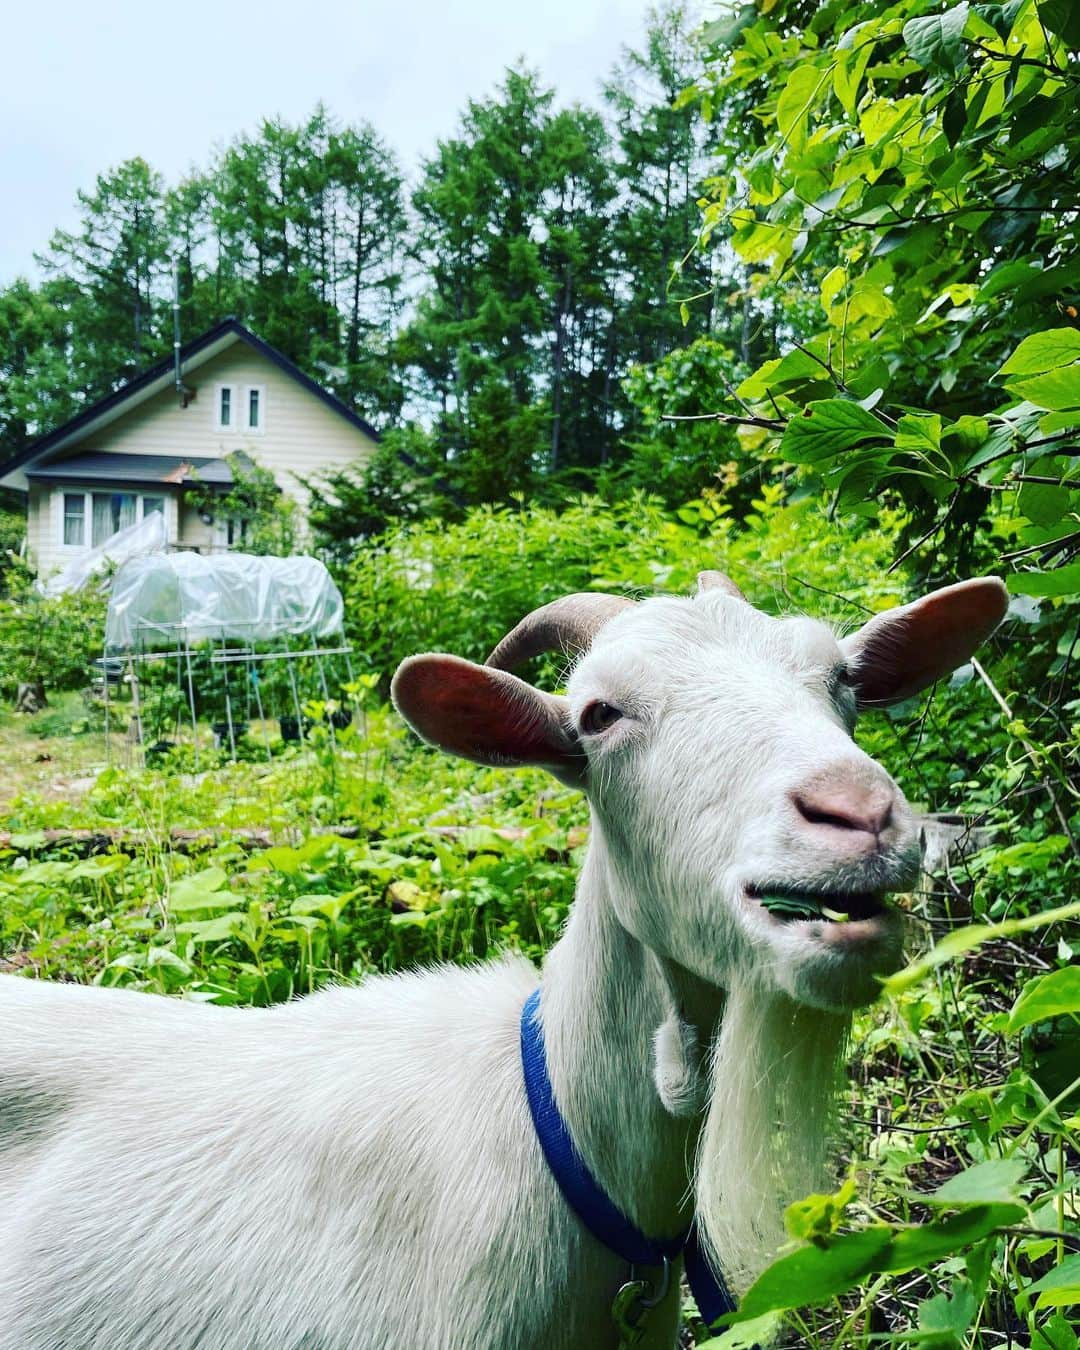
(110,275)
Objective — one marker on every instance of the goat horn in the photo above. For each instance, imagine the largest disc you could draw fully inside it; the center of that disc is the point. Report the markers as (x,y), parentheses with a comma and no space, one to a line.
(565,625)
(717,581)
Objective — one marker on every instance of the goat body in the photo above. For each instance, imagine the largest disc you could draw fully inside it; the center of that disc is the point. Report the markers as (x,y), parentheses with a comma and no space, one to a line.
(359,1168)
(354,1169)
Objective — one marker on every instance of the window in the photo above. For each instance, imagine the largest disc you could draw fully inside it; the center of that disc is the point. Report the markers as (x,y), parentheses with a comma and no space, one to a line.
(74,518)
(254,408)
(225,411)
(113,511)
(91,518)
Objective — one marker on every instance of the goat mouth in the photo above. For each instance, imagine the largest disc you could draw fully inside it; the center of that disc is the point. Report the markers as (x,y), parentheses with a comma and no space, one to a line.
(786,904)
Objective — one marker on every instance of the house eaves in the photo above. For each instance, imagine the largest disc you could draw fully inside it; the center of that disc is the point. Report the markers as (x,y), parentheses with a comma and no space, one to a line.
(16,472)
(101,467)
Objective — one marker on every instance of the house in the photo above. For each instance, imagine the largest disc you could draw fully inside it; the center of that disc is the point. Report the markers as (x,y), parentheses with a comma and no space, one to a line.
(166,437)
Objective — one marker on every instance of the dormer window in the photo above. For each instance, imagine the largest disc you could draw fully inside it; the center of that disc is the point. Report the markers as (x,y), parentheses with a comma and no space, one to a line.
(225,407)
(254,408)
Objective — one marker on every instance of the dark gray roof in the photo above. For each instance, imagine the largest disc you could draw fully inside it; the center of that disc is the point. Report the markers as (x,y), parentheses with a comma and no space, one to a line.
(101,467)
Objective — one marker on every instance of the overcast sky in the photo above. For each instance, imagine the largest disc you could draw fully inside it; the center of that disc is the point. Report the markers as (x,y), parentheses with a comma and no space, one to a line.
(87,85)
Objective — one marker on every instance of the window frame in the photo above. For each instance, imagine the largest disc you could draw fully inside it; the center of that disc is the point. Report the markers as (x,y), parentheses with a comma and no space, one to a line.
(232,425)
(64,495)
(250,389)
(87,494)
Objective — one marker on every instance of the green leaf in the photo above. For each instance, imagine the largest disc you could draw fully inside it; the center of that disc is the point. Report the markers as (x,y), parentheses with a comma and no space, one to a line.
(751,1335)
(162,956)
(1006,277)
(1044,351)
(1046,996)
(848,75)
(946,1317)
(827,428)
(928,1242)
(794,104)
(935,41)
(967,939)
(818,1216)
(820,1271)
(724,32)
(1062,581)
(1045,503)
(199,883)
(212,930)
(1062,17)
(986,1183)
(1048,425)
(1060,1286)
(792,370)
(919,432)
(1055,390)
(1057,1334)
(814,1274)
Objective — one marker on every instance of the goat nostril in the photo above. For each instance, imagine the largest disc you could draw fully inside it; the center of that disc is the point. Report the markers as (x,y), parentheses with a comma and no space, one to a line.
(841,813)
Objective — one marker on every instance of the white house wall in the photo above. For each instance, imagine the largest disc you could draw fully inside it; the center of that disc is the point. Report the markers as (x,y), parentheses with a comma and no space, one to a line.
(301,437)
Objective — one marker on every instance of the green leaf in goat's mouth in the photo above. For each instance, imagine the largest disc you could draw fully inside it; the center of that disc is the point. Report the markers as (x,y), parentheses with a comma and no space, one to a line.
(830,908)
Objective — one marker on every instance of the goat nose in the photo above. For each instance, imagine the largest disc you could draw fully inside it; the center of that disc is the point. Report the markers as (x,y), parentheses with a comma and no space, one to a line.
(864,807)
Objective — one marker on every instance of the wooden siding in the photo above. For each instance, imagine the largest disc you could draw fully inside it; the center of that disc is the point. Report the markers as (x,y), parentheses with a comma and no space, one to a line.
(300,437)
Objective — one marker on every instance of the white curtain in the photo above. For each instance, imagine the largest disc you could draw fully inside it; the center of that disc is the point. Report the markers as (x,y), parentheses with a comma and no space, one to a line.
(113,511)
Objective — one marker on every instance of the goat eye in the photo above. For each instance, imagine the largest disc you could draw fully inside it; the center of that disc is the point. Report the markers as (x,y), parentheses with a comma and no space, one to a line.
(598,717)
(842,678)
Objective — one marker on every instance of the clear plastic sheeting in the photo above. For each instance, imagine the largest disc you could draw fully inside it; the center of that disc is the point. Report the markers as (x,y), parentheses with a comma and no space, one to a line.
(187,598)
(145,536)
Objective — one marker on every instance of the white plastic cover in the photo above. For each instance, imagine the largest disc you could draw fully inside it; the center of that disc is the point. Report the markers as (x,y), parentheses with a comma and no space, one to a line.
(145,536)
(223,595)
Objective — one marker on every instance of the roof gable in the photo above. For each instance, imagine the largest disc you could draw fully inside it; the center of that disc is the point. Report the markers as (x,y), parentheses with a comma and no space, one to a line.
(155,380)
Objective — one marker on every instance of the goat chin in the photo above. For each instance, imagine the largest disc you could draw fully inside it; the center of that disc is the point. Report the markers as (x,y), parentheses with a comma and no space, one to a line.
(773,1085)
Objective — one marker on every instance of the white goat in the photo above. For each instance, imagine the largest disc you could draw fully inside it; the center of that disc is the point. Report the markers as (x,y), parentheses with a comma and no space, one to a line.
(359,1168)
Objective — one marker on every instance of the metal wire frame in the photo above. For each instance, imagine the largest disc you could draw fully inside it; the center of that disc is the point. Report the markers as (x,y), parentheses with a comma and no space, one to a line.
(219,657)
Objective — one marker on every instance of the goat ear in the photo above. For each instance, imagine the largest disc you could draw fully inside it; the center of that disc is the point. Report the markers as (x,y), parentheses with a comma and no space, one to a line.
(486,715)
(906,649)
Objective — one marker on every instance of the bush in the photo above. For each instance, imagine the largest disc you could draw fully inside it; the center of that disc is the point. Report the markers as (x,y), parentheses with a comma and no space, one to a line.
(51,640)
(459,586)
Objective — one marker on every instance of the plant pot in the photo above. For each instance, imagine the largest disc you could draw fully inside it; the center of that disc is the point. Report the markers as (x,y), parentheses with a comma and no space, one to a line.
(221,733)
(340,718)
(290,728)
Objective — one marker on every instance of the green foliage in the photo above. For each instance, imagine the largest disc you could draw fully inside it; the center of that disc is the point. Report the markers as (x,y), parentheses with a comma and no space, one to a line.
(52,641)
(678,459)
(915,165)
(264,520)
(458,586)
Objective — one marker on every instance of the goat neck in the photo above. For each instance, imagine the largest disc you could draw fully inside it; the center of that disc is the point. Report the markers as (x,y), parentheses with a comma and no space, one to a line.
(620,1024)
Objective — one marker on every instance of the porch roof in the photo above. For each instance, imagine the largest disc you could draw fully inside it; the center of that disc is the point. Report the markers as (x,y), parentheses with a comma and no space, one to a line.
(102,467)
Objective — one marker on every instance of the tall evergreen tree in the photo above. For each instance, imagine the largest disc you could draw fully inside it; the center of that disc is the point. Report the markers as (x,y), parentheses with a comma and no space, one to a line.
(662,159)
(483,316)
(35,381)
(109,273)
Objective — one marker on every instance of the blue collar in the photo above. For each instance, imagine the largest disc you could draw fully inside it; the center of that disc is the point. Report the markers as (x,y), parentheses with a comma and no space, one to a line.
(583,1194)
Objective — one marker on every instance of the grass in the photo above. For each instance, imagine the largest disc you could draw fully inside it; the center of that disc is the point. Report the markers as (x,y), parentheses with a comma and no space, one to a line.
(55,754)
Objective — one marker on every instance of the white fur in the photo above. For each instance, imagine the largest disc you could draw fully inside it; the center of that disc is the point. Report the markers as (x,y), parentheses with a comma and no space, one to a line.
(358,1168)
